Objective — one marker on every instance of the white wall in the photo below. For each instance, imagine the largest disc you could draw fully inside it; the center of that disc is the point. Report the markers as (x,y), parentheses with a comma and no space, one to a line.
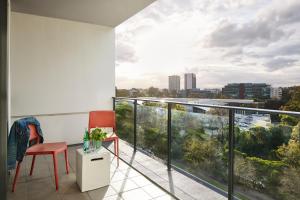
(60,66)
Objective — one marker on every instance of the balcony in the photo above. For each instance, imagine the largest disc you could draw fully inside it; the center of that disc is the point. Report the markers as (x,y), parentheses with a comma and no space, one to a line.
(58,63)
(170,152)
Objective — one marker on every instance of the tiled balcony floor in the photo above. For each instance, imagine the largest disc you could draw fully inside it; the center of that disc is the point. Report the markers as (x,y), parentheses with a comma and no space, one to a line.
(126,183)
(175,182)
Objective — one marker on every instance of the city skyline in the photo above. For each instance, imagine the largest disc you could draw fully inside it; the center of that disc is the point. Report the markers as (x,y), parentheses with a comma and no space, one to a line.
(182,84)
(220,41)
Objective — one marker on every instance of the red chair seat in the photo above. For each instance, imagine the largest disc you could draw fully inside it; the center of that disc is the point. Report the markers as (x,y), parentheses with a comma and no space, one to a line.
(47,148)
(111,137)
(42,149)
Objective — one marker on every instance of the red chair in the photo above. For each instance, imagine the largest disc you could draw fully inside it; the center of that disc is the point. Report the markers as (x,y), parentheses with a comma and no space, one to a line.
(42,149)
(105,119)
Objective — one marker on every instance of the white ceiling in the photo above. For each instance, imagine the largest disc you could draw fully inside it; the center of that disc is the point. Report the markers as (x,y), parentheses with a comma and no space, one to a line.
(102,12)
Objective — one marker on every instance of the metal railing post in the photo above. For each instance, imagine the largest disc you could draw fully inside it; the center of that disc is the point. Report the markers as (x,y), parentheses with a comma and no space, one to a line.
(134,124)
(114,103)
(169,135)
(231,155)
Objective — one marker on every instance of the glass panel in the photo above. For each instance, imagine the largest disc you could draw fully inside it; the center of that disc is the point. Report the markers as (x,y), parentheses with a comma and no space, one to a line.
(124,114)
(200,143)
(152,128)
(267,156)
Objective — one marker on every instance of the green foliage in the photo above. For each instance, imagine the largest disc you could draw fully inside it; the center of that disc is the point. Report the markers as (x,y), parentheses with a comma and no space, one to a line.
(290,153)
(296,133)
(156,141)
(154,104)
(98,134)
(253,142)
(294,103)
(257,173)
(124,115)
(154,92)
(288,120)
(198,134)
(262,142)
(289,184)
(278,135)
(122,93)
(204,154)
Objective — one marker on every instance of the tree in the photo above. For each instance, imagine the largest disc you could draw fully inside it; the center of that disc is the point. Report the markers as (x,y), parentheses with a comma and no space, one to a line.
(122,93)
(124,122)
(290,153)
(277,137)
(154,92)
(294,103)
(288,120)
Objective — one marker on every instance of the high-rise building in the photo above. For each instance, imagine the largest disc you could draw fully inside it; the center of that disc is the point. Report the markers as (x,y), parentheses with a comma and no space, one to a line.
(276,93)
(247,90)
(174,83)
(189,81)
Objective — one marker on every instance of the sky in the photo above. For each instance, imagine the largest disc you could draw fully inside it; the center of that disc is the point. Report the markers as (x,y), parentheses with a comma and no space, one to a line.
(221,41)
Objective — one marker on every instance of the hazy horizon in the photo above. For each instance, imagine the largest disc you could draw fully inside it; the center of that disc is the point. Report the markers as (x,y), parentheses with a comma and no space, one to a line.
(221,41)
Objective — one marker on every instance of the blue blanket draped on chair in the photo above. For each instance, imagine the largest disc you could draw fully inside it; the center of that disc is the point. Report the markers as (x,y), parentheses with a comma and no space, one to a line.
(18,140)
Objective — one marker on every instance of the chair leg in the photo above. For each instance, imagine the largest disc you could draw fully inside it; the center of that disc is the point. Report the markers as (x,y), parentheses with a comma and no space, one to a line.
(67,161)
(55,170)
(16,176)
(117,148)
(32,165)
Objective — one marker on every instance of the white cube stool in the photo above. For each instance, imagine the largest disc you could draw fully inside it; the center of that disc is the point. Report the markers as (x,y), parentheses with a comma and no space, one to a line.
(92,169)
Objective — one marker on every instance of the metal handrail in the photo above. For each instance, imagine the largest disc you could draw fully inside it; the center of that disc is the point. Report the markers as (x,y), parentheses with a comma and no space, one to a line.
(214,106)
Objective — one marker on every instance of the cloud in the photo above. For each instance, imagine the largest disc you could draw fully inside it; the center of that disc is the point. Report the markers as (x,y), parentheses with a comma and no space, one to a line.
(259,33)
(248,40)
(191,70)
(125,52)
(283,13)
(233,52)
(159,80)
(266,28)
(292,49)
(279,63)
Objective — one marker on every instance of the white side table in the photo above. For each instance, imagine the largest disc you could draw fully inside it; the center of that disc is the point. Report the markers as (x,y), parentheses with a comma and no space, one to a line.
(92,169)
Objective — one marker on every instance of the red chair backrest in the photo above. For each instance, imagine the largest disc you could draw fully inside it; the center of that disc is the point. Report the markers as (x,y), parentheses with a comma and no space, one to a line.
(33,133)
(102,119)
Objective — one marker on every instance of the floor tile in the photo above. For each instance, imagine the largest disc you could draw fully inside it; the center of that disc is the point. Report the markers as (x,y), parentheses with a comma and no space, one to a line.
(42,189)
(115,197)
(124,185)
(117,176)
(130,173)
(165,197)
(21,192)
(141,181)
(153,191)
(101,193)
(80,196)
(136,194)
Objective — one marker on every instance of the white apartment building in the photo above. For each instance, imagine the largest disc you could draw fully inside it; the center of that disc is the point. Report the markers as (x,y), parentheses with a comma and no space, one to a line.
(276,93)
(189,81)
(174,83)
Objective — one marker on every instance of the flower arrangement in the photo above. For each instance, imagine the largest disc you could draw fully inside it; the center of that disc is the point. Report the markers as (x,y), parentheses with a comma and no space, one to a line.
(98,134)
